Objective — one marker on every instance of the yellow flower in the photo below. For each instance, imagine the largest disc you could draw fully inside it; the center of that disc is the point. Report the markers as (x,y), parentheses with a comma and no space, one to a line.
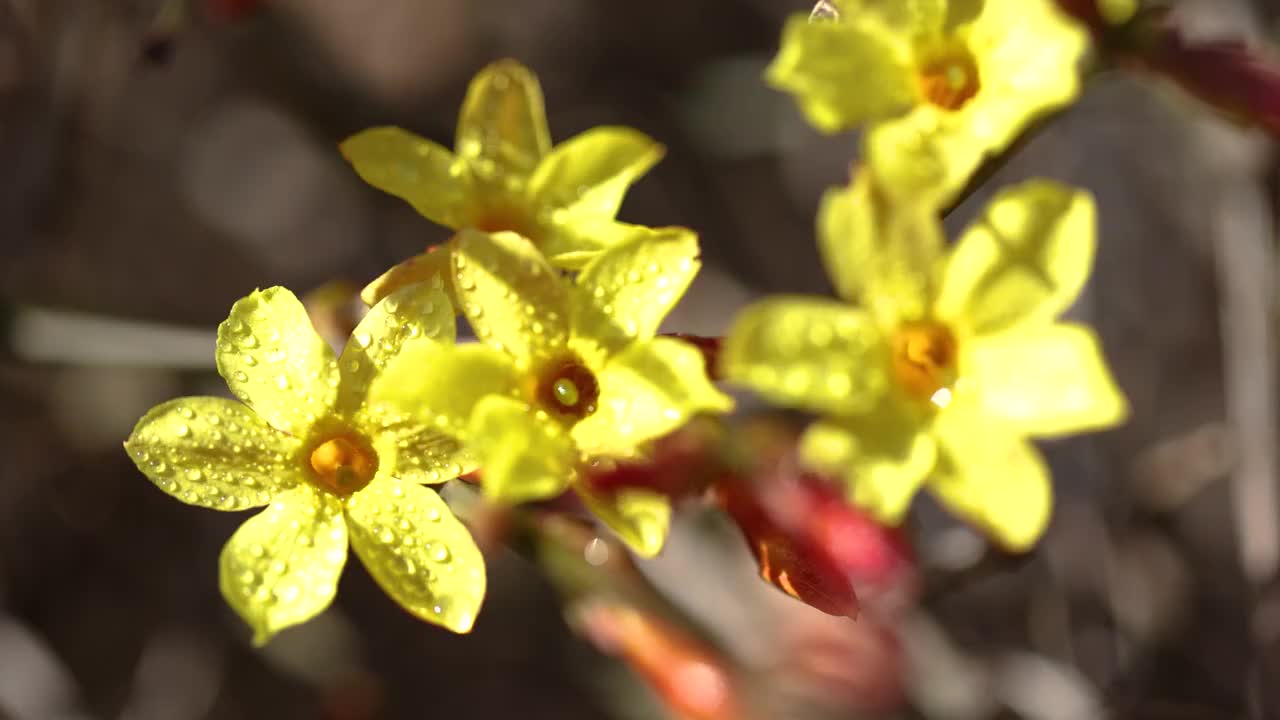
(566,372)
(944,82)
(950,362)
(505,176)
(305,443)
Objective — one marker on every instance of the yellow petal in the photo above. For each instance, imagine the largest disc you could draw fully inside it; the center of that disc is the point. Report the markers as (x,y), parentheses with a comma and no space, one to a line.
(992,477)
(434,266)
(881,255)
(414,451)
(589,174)
(281,567)
(844,73)
(274,361)
(808,353)
(502,129)
(1026,54)
(411,312)
(647,391)
(884,456)
(576,239)
(922,158)
(625,293)
(640,519)
(513,299)
(1049,380)
(440,384)
(1024,261)
(418,552)
(917,17)
(523,456)
(416,170)
(213,452)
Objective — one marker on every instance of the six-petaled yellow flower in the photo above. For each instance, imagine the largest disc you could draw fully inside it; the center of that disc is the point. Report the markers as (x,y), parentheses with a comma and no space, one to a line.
(504,176)
(305,443)
(566,372)
(947,362)
(943,82)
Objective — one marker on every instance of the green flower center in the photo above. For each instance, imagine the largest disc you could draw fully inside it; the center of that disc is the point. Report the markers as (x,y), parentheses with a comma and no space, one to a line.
(949,78)
(343,464)
(924,361)
(568,389)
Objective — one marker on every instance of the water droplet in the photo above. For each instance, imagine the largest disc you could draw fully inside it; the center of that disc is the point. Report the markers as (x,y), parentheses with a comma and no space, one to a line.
(363,339)
(249,341)
(194,475)
(440,554)
(433,515)
(182,430)
(239,376)
(282,382)
(257,551)
(187,413)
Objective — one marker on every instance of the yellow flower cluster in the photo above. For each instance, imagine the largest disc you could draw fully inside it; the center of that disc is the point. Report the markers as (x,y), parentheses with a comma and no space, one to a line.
(939,362)
(935,367)
(566,302)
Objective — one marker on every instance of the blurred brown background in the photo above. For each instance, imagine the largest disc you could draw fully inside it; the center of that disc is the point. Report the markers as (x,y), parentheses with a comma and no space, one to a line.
(156,171)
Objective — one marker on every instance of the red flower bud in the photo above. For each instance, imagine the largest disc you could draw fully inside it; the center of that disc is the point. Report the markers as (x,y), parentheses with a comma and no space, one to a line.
(811,544)
(1226,75)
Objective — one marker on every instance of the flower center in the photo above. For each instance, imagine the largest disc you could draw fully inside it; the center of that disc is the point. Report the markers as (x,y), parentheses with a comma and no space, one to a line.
(344,464)
(504,217)
(568,389)
(924,361)
(949,78)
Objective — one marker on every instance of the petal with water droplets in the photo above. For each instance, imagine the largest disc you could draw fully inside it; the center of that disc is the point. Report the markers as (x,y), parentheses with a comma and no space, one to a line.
(273,360)
(502,129)
(418,552)
(625,293)
(213,452)
(513,299)
(647,391)
(281,567)
(440,384)
(414,311)
(589,173)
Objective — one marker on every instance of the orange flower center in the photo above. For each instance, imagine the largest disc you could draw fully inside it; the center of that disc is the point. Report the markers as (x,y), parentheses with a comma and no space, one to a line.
(567,389)
(949,79)
(504,217)
(343,464)
(924,361)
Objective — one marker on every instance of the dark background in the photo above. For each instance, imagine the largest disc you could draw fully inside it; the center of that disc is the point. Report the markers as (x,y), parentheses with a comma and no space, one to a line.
(156,173)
